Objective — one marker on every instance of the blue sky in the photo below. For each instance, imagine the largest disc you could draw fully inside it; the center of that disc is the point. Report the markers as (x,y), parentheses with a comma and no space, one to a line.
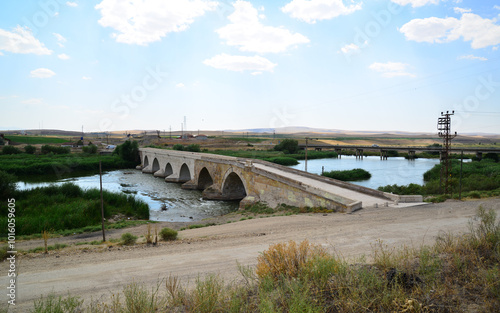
(383,65)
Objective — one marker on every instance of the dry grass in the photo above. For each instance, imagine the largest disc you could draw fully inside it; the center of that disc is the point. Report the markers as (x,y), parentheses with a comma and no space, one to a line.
(456,274)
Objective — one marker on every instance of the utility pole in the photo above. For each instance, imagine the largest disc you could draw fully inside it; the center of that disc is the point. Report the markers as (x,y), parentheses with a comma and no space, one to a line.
(307,138)
(102,203)
(444,128)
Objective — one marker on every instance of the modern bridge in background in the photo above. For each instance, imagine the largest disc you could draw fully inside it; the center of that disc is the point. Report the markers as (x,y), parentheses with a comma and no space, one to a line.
(252,181)
(359,149)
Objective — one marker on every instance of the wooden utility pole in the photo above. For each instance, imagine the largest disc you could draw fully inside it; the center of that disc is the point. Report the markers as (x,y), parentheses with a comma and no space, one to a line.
(306,153)
(102,202)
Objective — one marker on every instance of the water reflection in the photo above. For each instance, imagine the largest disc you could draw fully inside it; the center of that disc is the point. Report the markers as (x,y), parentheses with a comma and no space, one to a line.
(167,201)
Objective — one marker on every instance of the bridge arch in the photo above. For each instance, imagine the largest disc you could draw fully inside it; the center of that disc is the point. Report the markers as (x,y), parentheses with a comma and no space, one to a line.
(156,165)
(146,161)
(184,174)
(233,187)
(205,180)
(168,170)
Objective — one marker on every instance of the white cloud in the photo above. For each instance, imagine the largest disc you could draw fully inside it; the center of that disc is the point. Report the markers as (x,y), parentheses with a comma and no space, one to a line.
(496,7)
(391,69)
(143,22)
(240,63)
(71,4)
(86,78)
(415,3)
(471,57)
(21,40)
(63,56)
(60,39)
(350,48)
(42,73)
(461,10)
(313,10)
(179,85)
(246,32)
(35,101)
(481,32)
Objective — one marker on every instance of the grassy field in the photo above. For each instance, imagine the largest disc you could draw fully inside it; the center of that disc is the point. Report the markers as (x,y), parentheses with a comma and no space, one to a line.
(270,154)
(33,140)
(57,166)
(456,274)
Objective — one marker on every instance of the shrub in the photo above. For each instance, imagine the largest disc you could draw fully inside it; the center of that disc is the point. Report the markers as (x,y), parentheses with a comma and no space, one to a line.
(349,175)
(7,185)
(193,148)
(128,151)
(128,239)
(3,252)
(168,234)
(11,150)
(284,260)
(283,161)
(56,150)
(288,146)
(90,149)
(30,149)
(178,147)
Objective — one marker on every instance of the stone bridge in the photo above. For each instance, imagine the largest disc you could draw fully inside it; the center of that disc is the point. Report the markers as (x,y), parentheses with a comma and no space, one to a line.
(252,181)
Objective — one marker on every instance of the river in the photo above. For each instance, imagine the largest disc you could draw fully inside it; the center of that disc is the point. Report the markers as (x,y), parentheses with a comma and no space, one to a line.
(396,170)
(187,205)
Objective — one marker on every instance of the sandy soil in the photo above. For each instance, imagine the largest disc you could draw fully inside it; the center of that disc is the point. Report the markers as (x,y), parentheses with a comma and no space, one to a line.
(96,272)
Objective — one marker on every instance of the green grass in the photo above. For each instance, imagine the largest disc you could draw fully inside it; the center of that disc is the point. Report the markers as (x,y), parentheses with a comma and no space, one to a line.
(271,154)
(349,175)
(56,166)
(33,140)
(68,207)
(478,179)
(456,274)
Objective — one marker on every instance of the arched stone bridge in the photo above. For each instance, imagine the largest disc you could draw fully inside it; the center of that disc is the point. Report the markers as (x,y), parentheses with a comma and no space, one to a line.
(251,181)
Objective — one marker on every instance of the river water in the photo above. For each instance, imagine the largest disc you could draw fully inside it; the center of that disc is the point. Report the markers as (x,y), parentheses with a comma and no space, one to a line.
(187,205)
(181,205)
(384,172)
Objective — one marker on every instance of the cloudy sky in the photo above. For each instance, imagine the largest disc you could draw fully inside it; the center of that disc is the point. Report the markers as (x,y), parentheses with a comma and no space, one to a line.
(389,65)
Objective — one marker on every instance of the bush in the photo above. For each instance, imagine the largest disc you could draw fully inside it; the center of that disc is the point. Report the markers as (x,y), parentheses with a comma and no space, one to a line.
(178,147)
(7,185)
(349,175)
(128,151)
(90,149)
(193,148)
(168,234)
(287,260)
(288,146)
(30,149)
(128,239)
(56,150)
(283,161)
(11,150)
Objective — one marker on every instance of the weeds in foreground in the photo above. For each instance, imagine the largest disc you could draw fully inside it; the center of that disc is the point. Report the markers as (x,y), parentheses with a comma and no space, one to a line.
(456,274)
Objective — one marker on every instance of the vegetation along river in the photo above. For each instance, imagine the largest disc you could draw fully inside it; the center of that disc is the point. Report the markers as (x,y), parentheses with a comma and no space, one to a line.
(169,202)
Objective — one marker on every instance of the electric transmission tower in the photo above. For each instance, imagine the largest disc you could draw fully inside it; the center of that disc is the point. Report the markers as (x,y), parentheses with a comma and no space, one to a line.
(444,128)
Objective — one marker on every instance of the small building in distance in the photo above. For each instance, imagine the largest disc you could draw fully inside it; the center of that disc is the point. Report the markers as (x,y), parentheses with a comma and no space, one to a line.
(201,137)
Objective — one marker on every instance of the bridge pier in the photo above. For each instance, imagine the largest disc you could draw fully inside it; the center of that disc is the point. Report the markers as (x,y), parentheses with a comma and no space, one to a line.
(339,153)
(479,155)
(383,154)
(359,154)
(411,155)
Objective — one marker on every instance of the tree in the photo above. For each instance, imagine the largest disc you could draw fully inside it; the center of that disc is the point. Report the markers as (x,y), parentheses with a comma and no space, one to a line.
(128,151)
(288,146)
(7,185)
(90,149)
(30,149)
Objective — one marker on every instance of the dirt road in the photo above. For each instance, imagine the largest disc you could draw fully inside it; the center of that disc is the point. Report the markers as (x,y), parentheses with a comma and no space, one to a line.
(98,273)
